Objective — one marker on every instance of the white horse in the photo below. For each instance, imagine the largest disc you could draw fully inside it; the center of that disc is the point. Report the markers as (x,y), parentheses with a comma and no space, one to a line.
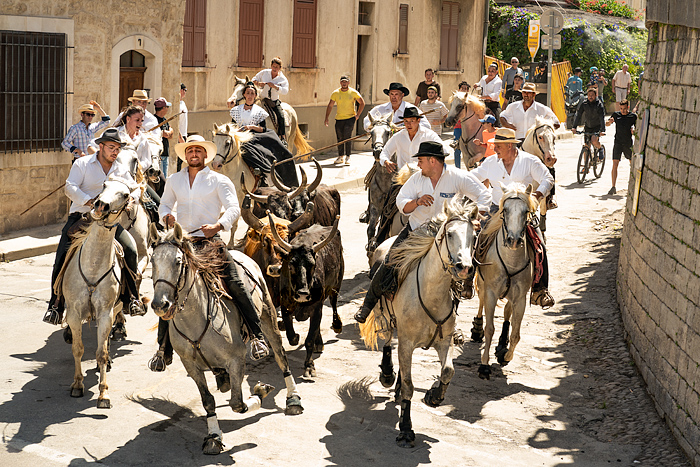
(468,109)
(295,138)
(505,271)
(90,283)
(205,330)
(540,141)
(423,309)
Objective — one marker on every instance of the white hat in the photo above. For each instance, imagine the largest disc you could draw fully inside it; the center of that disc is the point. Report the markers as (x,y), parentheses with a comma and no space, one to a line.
(139,95)
(196,140)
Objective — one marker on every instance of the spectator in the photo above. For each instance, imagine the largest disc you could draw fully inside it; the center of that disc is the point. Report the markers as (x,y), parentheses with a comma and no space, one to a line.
(274,84)
(514,94)
(490,85)
(162,107)
(345,117)
(422,92)
(575,84)
(624,127)
(488,134)
(621,83)
(437,110)
(182,121)
(79,135)
(510,74)
(457,133)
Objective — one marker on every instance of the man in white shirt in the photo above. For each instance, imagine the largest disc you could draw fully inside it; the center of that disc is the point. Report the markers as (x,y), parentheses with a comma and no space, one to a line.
(396,106)
(435,110)
(182,121)
(274,84)
(514,165)
(199,194)
(85,182)
(621,83)
(520,116)
(421,198)
(490,85)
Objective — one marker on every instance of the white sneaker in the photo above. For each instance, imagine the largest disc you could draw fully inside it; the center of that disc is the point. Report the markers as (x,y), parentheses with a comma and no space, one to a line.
(339,161)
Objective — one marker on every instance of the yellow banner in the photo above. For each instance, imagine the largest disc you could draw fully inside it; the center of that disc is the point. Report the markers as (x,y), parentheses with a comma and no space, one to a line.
(533,37)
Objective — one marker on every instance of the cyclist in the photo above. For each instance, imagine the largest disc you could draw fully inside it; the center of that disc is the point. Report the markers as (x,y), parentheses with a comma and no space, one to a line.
(591,114)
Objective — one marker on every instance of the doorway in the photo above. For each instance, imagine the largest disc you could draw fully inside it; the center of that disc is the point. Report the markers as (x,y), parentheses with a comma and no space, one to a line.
(132,67)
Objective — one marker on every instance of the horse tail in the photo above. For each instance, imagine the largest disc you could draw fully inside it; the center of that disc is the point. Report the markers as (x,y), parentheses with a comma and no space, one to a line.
(301,146)
(368,332)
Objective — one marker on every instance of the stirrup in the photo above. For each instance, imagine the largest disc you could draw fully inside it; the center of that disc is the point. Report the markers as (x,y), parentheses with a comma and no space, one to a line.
(542,298)
(258,349)
(454,144)
(136,307)
(364,217)
(159,362)
(53,315)
(362,314)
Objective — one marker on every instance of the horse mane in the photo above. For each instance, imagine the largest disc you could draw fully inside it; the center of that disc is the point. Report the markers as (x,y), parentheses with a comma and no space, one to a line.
(476,104)
(233,130)
(405,257)
(251,243)
(511,190)
(385,118)
(402,176)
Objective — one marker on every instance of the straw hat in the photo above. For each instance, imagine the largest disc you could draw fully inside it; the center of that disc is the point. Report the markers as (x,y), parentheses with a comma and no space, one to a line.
(86,108)
(504,135)
(139,95)
(529,87)
(196,140)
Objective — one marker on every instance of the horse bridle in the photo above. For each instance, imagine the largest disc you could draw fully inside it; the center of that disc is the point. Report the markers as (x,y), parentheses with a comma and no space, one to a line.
(176,287)
(532,220)
(447,267)
(225,157)
(478,130)
(117,212)
(537,140)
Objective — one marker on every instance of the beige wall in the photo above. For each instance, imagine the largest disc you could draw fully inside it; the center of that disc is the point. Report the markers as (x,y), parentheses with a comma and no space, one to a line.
(100,32)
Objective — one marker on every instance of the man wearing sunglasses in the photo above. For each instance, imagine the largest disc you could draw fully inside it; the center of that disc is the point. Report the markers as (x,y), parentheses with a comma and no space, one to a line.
(80,134)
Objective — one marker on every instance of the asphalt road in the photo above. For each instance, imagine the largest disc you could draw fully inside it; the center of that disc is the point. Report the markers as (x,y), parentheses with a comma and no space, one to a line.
(539,410)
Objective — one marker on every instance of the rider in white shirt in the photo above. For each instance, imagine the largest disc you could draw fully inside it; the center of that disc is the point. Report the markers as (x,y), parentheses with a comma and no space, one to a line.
(274,84)
(521,115)
(396,106)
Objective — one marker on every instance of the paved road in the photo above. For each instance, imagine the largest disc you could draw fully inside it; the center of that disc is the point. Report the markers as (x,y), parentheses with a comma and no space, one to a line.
(571,394)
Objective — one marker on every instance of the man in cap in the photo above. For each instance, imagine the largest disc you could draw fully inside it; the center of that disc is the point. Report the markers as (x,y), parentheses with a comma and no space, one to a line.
(435,110)
(198,194)
(521,115)
(515,93)
(510,73)
(85,182)
(515,165)
(422,91)
(591,113)
(162,107)
(345,116)
(396,106)
(140,99)
(79,135)
(422,198)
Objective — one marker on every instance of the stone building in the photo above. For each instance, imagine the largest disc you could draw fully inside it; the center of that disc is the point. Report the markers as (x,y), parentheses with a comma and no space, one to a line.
(375,42)
(658,276)
(57,55)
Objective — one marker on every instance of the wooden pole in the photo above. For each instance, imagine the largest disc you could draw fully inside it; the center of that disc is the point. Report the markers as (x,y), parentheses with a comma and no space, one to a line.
(42,199)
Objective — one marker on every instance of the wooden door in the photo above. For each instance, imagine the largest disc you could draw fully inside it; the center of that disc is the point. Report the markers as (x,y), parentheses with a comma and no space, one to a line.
(130,78)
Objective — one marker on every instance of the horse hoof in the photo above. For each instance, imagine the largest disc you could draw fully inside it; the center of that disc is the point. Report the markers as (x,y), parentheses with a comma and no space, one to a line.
(280,325)
(458,337)
(239,408)
(103,403)
(223,382)
(68,335)
(212,445)
(262,389)
(318,348)
(406,439)
(294,341)
(431,399)
(310,372)
(477,336)
(337,326)
(118,332)
(76,392)
(294,406)
(387,379)
(501,355)
(484,371)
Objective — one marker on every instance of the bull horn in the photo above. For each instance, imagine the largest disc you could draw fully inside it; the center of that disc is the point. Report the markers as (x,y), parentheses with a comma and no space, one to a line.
(301,187)
(319,175)
(250,218)
(257,198)
(304,220)
(280,186)
(283,244)
(318,247)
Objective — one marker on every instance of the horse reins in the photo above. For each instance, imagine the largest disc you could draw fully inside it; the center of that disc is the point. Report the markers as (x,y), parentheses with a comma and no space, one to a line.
(228,153)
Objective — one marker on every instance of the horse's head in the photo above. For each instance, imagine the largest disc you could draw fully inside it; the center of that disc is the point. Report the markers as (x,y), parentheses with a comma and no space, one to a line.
(456,237)
(228,139)
(381,130)
(463,102)
(128,158)
(543,140)
(155,149)
(113,199)
(517,208)
(238,88)
(168,269)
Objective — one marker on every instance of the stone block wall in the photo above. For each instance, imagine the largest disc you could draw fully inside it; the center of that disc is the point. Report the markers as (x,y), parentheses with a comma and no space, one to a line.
(658,280)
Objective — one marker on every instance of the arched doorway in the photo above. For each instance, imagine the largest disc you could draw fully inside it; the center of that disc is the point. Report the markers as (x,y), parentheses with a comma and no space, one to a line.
(132,67)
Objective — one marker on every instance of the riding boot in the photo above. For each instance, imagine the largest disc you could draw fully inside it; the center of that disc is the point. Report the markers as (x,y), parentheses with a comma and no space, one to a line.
(54,314)
(540,290)
(132,278)
(164,355)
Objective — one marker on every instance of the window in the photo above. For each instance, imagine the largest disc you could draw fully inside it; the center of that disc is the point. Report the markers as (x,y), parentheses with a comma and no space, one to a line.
(195,28)
(304,35)
(250,33)
(32,91)
(449,36)
(403,29)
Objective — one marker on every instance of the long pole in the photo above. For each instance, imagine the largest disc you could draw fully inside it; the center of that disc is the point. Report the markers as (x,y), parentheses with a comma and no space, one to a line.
(550,53)
(42,199)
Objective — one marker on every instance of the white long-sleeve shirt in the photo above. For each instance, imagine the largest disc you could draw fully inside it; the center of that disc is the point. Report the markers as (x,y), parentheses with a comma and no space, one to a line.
(491,89)
(526,169)
(86,180)
(182,120)
(138,144)
(405,147)
(522,119)
(265,76)
(202,203)
(384,109)
(451,183)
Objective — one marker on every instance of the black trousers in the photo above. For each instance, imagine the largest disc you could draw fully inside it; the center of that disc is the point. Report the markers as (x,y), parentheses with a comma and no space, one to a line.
(277,109)
(343,131)
(130,257)
(495,108)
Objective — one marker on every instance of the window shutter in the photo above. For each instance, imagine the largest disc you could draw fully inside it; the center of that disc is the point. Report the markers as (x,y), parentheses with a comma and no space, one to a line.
(250,33)
(449,36)
(188,34)
(304,35)
(200,31)
(403,28)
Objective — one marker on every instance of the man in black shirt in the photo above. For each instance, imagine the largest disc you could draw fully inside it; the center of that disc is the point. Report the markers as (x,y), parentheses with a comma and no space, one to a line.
(422,91)
(624,126)
(514,94)
(162,106)
(591,114)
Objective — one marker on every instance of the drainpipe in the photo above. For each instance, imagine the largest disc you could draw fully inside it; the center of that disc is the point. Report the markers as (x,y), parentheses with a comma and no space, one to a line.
(486,27)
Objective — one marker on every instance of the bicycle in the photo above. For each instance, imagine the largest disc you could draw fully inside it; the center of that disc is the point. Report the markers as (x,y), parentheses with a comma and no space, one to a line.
(586,161)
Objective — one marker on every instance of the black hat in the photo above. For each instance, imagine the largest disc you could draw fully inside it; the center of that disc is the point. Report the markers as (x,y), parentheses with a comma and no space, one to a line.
(397,87)
(110,135)
(577,69)
(411,112)
(182,86)
(431,149)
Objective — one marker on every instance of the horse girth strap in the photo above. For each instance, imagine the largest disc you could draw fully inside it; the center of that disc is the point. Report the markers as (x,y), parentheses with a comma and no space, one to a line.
(438,324)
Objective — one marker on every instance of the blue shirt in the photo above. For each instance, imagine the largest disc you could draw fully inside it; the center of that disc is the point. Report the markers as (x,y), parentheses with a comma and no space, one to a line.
(80,135)
(574,84)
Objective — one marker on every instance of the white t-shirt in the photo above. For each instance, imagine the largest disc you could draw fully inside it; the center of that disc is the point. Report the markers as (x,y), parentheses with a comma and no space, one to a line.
(522,119)
(622,79)
(182,120)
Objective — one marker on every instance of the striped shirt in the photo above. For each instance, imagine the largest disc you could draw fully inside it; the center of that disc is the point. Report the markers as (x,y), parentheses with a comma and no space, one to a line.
(436,117)
(80,135)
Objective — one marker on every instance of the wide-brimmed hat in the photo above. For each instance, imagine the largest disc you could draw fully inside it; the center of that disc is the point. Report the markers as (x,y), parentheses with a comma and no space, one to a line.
(431,149)
(397,87)
(161,102)
(504,135)
(196,140)
(111,135)
(411,112)
(529,87)
(139,95)
(86,108)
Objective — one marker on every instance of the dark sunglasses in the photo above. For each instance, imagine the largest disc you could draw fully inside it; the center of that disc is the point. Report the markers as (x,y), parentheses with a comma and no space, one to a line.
(89,115)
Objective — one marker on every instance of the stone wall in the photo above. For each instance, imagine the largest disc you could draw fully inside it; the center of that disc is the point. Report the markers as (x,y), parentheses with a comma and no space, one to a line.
(658,280)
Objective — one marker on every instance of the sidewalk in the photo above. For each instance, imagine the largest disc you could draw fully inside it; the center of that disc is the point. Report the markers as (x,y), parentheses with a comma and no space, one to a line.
(42,240)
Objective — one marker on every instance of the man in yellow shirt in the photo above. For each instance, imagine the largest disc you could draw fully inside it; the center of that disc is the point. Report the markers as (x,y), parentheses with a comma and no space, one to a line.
(345,116)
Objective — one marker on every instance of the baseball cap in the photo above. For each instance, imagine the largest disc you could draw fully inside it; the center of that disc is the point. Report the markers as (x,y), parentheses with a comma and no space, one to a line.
(344,78)
(161,102)
(182,86)
(488,119)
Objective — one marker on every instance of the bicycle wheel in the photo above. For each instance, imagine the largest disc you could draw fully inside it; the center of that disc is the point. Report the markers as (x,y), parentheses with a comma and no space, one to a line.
(582,166)
(598,167)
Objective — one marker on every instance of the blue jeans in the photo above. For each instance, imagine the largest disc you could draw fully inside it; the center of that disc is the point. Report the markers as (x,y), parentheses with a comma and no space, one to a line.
(164,165)
(458,154)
